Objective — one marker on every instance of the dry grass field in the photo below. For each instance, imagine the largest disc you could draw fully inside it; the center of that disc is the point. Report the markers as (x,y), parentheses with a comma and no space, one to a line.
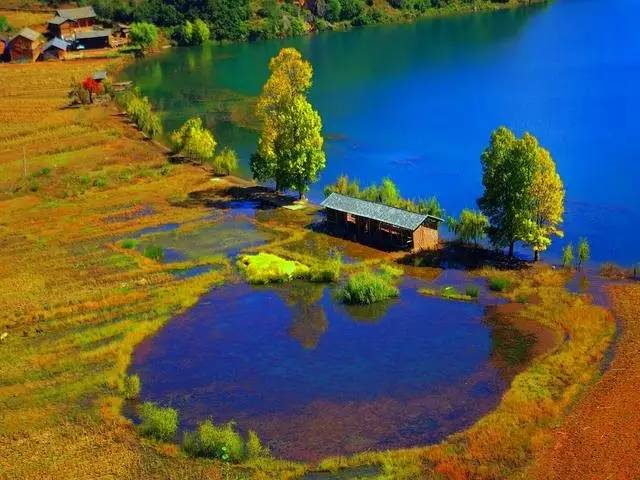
(74,304)
(19,19)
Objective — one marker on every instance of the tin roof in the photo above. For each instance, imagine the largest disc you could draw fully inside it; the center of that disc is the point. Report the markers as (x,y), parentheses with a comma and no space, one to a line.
(57,43)
(93,34)
(28,34)
(100,75)
(58,20)
(76,13)
(376,211)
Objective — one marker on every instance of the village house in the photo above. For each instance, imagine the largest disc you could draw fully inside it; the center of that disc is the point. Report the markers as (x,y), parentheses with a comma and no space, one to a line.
(71,20)
(380,225)
(55,49)
(93,39)
(25,46)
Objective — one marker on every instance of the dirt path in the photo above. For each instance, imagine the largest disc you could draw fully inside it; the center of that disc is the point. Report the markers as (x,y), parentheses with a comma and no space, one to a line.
(600,439)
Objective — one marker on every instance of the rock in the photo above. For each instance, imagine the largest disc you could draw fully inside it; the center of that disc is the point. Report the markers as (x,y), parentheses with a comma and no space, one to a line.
(4,336)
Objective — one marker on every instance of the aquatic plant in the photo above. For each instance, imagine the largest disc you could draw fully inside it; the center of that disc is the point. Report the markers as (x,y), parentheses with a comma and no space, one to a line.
(255,448)
(154,252)
(211,441)
(157,422)
(131,387)
(473,291)
(326,272)
(266,268)
(499,284)
(129,243)
(365,288)
(448,293)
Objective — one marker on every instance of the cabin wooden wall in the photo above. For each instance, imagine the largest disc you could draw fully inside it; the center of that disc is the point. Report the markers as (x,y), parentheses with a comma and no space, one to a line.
(22,49)
(425,238)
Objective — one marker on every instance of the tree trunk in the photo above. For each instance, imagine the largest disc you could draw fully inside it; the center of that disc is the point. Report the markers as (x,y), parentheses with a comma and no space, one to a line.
(536,255)
(511,247)
(90,97)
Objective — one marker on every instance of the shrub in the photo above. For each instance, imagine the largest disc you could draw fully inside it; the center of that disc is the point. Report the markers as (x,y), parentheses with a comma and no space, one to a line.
(211,441)
(225,162)
(157,422)
(129,243)
(255,448)
(266,268)
(365,288)
(499,284)
(567,256)
(154,252)
(473,291)
(391,271)
(131,387)
(327,272)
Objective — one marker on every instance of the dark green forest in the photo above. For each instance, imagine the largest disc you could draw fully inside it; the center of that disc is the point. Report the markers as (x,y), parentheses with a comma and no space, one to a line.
(260,19)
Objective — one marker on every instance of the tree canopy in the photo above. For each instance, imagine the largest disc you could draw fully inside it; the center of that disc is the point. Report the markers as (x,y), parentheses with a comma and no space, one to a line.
(144,34)
(523,194)
(194,141)
(290,148)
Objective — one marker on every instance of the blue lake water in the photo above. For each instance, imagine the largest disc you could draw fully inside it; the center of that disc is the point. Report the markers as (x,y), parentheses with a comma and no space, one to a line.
(418,103)
(316,378)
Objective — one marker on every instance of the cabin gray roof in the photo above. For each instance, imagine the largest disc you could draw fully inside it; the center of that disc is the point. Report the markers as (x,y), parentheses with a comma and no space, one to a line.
(57,43)
(93,34)
(100,75)
(58,20)
(76,13)
(376,211)
(28,34)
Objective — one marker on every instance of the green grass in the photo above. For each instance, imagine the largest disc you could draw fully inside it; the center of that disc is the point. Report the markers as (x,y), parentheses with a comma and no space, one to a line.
(157,422)
(129,243)
(264,268)
(473,291)
(450,293)
(499,284)
(154,252)
(211,441)
(131,387)
(366,288)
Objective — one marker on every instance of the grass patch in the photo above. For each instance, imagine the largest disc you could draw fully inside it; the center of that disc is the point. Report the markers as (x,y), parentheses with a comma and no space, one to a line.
(499,284)
(154,252)
(130,243)
(211,441)
(366,288)
(264,268)
(131,387)
(448,293)
(157,422)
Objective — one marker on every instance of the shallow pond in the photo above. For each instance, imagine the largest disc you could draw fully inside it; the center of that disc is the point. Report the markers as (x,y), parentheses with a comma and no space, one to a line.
(315,378)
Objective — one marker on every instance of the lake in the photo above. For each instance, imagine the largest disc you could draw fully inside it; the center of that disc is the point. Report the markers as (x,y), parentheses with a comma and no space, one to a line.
(418,103)
(316,378)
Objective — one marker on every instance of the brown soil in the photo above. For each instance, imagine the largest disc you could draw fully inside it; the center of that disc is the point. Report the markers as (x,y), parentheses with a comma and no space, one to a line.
(600,438)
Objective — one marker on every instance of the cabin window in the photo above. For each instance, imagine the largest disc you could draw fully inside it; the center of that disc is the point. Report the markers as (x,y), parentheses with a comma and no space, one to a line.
(351,218)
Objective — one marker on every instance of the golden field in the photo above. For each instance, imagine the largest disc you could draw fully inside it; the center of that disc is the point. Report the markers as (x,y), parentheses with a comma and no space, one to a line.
(74,305)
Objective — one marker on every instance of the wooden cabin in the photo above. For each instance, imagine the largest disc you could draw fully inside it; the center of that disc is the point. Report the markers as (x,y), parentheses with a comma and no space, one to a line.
(380,225)
(25,46)
(94,39)
(68,21)
(55,49)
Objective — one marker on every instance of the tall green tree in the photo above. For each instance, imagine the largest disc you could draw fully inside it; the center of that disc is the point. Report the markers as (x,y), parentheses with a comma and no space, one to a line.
(144,34)
(290,149)
(584,252)
(547,191)
(194,141)
(470,227)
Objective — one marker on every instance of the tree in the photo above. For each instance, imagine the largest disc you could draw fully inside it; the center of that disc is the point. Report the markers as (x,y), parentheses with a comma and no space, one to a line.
(194,141)
(144,34)
(470,227)
(185,34)
(567,256)
(290,149)
(225,162)
(201,32)
(508,167)
(548,193)
(91,86)
(584,252)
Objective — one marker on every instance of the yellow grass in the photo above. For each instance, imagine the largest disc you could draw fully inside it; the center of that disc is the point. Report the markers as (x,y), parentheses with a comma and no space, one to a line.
(74,304)
(19,19)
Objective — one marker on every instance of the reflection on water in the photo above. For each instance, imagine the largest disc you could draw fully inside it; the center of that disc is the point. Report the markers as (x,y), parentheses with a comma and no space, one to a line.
(316,378)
